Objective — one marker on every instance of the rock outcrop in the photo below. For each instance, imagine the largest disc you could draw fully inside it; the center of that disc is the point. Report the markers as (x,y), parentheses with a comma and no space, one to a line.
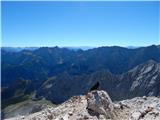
(99,102)
(97,105)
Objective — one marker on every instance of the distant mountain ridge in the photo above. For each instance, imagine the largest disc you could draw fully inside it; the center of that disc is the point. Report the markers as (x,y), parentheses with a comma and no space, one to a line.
(18,49)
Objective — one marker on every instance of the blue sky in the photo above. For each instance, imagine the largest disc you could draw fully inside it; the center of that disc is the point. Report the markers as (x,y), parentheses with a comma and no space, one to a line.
(80,23)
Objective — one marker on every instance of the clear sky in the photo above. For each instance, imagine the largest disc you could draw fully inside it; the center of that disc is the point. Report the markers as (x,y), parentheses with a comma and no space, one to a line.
(80,23)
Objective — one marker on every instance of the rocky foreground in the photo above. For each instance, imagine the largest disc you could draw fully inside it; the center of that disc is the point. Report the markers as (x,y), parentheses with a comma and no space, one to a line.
(97,105)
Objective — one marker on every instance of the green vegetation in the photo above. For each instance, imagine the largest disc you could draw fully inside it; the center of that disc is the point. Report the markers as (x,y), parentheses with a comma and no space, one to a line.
(14,100)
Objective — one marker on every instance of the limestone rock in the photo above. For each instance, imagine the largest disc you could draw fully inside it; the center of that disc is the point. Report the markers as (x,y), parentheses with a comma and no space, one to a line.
(97,105)
(100,102)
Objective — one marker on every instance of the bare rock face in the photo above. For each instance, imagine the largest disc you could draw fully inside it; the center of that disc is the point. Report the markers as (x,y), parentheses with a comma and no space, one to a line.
(100,102)
(139,81)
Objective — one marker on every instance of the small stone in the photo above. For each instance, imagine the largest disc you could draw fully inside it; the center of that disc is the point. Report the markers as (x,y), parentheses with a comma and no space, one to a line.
(70,113)
(135,115)
(149,109)
(144,97)
(158,107)
(86,117)
(116,106)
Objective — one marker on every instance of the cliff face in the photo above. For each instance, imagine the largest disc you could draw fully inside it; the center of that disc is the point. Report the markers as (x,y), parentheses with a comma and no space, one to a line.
(144,79)
(97,105)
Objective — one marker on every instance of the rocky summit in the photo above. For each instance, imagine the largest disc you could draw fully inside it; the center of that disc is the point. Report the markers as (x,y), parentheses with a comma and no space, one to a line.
(97,105)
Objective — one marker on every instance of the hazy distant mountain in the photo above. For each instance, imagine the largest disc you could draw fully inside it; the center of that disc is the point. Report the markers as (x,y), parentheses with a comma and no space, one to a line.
(18,49)
(133,47)
(59,73)
(79,48)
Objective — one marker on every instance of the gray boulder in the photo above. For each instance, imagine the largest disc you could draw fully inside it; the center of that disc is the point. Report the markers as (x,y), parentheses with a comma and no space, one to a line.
(99,102)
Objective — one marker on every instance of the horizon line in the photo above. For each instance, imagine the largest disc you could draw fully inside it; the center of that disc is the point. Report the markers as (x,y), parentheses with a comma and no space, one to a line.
(80,46)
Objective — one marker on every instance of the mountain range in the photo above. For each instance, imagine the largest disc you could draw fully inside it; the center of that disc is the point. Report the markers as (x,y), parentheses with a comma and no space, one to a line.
(57,74)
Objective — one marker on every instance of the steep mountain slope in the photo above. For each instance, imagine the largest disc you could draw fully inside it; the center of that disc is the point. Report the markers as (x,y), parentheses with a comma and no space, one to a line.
(141,80)
(63,86)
